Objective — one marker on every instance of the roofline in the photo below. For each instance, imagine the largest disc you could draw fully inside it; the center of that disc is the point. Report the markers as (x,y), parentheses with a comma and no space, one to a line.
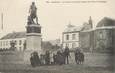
(100,28)
(2,38)
(71,32)
(103,19)
(90,30)
(12,38)
(107,27)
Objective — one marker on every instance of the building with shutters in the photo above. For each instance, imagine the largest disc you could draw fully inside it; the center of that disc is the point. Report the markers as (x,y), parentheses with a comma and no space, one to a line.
(70,37)
(18,37)
(77,36)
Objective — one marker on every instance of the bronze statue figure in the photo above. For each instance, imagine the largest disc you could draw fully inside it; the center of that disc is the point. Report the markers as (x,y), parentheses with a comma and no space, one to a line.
(32,14)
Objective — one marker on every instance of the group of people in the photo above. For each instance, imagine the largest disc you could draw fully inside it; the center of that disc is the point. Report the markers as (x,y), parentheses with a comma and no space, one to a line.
(59,58)
(37,60)
(79,56)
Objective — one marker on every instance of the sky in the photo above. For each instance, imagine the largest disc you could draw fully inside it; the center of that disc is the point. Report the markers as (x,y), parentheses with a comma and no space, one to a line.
(53,17)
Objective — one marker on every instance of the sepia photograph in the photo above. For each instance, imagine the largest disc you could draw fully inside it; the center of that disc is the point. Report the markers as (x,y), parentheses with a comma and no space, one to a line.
(57,36)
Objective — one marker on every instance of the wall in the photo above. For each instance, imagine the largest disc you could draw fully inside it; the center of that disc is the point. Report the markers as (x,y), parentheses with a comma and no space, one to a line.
(85,41)
(103,40)
(12,57)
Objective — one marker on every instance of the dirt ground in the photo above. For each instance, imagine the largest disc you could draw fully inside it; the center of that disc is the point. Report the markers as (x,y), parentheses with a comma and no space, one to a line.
(94,63)
(71,68)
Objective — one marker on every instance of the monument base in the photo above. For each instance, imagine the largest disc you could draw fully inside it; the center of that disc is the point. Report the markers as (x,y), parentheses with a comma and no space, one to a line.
(16,57)
(27,55)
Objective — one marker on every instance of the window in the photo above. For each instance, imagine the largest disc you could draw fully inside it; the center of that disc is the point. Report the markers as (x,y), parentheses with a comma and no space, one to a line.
(15,42)
(73,45)
(20,48)
(20,42)
(73,36)
(67,45)
(67,37)
(100,35)
(1,43)
(6,43)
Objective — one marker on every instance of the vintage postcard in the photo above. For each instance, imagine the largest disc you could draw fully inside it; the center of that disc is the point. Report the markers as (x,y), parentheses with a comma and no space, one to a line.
(57,36)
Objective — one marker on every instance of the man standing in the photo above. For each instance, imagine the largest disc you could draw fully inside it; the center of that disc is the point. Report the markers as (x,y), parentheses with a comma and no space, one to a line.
(54,58)
(47,58)
(67,54)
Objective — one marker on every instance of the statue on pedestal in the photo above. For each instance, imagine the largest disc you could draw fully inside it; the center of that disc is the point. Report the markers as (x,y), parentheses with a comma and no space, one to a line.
(32,14)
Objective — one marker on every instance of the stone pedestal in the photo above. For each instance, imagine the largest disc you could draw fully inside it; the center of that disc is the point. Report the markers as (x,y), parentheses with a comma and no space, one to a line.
(33,41)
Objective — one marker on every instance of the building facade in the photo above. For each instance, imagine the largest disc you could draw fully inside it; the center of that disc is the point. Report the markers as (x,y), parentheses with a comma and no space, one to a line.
(101,38)
(17,37)
(86,35)
(105,35)
(75,37)
(70,37)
